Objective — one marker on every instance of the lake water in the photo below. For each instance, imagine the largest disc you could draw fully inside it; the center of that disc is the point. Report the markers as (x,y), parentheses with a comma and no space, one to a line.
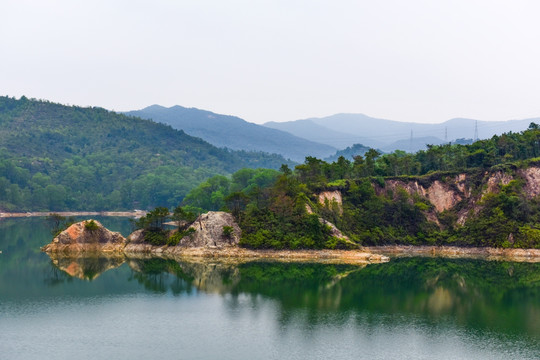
(116,308)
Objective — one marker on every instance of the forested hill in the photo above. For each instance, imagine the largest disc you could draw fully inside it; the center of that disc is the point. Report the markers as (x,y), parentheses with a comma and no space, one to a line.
(56,157)
(234,133)
(483,194)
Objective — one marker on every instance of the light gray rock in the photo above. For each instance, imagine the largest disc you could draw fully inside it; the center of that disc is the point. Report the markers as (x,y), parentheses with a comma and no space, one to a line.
(209,231)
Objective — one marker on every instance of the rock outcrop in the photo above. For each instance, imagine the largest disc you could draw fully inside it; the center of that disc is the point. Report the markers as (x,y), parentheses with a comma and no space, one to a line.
(329,197)
(532,180)
(86,236)
(209,231)
(464,191)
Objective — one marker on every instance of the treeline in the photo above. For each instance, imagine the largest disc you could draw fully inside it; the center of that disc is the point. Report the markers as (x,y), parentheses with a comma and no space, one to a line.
(55,157)
(287,213)
(502,149)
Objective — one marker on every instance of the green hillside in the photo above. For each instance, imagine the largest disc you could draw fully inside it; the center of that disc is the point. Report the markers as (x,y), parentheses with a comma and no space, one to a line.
(56,157)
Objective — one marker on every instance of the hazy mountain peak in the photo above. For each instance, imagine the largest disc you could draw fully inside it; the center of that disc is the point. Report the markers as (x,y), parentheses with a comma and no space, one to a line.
(235,133)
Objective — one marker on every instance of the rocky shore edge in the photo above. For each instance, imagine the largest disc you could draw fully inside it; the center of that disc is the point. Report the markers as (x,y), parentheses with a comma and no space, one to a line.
(485,253)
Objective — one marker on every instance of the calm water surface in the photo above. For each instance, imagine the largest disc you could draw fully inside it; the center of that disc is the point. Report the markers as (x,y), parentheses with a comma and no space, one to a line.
(117,308)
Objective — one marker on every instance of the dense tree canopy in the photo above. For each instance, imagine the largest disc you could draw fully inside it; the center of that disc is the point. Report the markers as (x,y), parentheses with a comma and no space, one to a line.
(55,157)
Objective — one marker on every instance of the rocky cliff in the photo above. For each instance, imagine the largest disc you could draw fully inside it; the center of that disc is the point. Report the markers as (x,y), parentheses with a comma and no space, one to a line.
(462,193)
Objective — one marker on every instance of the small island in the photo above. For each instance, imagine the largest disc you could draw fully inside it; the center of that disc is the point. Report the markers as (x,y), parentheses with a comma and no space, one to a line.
(214,235)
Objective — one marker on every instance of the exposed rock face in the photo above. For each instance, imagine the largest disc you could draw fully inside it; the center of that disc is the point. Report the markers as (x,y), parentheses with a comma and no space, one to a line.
(442,197)
(81,237)
(461,184)
(499,178)
(209,231)
(412,187)
(532,179)
(331,196)
(446,193)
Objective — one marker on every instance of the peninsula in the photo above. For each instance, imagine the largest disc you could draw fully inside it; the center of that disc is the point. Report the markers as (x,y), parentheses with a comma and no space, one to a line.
(90,238)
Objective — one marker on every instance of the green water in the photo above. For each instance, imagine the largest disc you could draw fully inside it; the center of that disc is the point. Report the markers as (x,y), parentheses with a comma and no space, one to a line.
(117,308)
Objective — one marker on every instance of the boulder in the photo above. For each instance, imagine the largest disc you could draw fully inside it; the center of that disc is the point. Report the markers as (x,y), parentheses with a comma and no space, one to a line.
(88,235)
(209,231)
(136,243)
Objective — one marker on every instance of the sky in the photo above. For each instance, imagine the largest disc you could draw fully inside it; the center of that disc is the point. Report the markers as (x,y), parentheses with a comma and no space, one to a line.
(279,60)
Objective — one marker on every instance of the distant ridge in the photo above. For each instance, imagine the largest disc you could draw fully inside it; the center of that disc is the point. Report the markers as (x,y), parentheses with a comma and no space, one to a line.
(349,153)
(234,133)
(342,130)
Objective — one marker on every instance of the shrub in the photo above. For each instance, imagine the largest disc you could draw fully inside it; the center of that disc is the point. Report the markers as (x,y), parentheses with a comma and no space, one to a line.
(227,231)
(179,235)
(91,225)
(156,237)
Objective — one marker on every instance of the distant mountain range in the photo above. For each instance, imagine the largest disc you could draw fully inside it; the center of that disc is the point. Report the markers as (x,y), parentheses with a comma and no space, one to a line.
(343,130)
(234,133)
(323,137)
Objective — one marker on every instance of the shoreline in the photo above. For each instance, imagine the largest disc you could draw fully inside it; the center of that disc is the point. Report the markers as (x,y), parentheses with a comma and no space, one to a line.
(134,214)
(246,255)
(225,254)
(457,252)
(366,255)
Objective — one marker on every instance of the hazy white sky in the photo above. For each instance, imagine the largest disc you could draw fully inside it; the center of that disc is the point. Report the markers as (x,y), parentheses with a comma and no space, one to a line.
(424,61)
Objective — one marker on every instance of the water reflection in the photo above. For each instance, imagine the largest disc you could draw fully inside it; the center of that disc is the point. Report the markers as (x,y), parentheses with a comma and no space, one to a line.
(87,267)
(496,295)
(406,308)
